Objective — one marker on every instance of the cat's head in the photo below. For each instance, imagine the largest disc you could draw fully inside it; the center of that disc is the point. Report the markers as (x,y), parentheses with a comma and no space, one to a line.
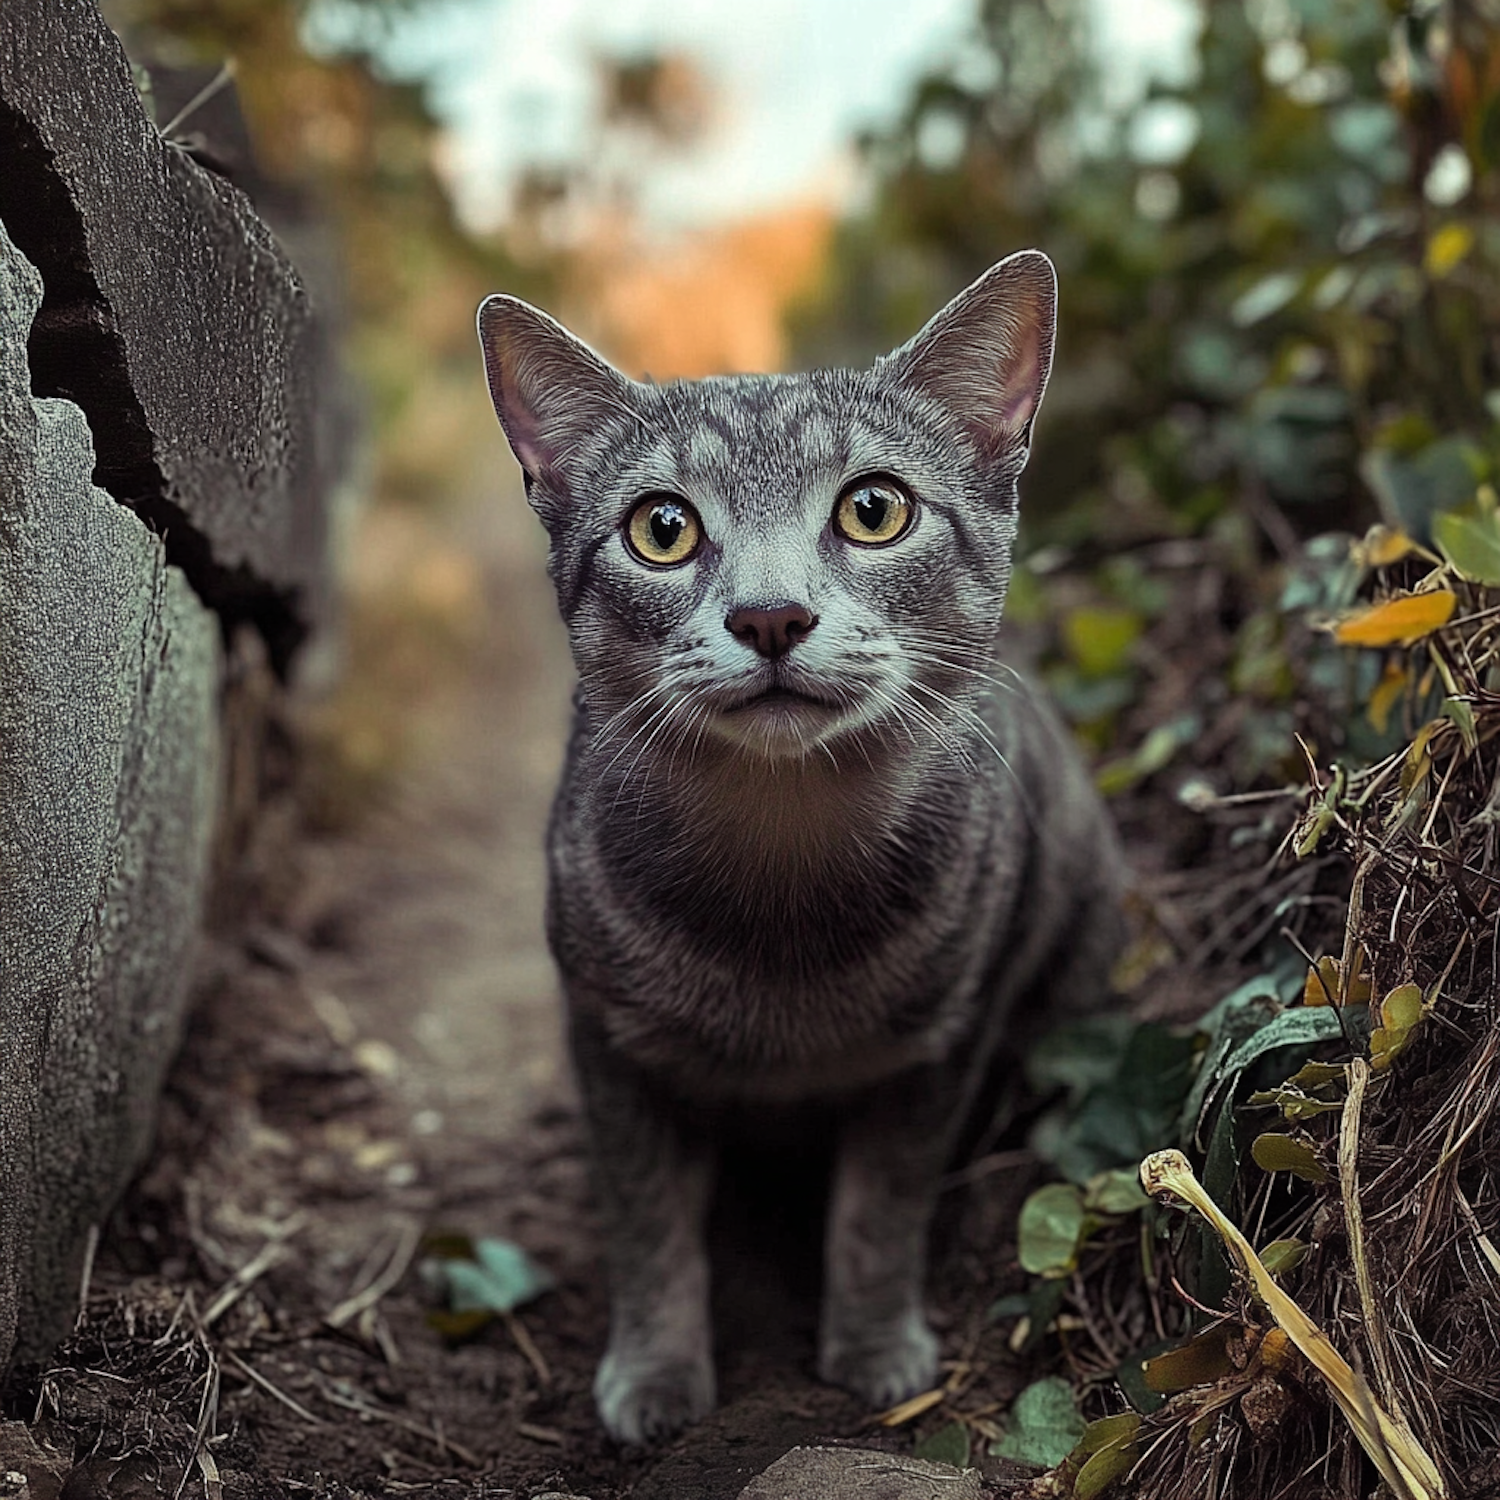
(783,562)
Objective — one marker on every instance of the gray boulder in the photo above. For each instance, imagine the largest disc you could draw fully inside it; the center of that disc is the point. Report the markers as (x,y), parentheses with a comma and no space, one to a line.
(109,771)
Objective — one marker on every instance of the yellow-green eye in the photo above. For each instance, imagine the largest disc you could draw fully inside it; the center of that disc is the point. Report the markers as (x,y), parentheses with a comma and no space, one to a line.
(873,512)
(663,530)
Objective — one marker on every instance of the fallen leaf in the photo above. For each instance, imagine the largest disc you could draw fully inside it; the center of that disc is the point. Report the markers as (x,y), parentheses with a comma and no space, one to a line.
(1201,1361)
(499,1278)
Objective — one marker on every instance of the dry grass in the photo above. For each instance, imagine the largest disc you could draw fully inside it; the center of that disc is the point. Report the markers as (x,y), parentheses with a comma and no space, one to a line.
(1402,1269)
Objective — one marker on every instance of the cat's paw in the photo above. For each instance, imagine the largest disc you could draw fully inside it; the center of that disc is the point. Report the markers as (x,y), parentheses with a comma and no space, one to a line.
(884,1365)
(641,1399)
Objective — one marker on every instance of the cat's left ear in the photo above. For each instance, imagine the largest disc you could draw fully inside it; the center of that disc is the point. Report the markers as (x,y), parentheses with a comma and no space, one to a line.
(986,356)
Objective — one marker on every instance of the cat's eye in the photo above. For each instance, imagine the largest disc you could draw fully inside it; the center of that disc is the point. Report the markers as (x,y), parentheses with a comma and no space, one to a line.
(873,512)
(664,531)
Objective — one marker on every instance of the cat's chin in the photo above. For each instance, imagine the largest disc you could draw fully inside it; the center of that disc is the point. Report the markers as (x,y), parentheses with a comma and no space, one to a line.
(780,723)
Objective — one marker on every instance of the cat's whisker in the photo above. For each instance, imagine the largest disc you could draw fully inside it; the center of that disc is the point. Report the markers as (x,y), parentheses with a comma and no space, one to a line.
(639,730)
(606,729)
(655,723)
(982,732)
(683,702)
(933,659)
(947,738)
(893,704)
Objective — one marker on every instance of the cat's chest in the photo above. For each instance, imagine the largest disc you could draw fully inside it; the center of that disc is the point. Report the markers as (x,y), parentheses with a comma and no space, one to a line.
(777,964)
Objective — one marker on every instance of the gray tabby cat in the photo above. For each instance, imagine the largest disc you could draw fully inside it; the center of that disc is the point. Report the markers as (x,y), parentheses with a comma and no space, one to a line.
(809,845)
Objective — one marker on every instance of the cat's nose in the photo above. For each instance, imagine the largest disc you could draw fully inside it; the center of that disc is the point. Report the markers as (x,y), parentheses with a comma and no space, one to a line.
(771,632)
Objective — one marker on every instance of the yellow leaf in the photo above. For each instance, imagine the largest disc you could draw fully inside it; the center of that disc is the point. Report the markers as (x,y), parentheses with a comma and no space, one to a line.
(1418,762)
(1382,546)
(1322,984)
(1386,1045)
(1402,1007)
(1387,694)
(1357,981)
(1400,1012)
(1326,983)
(1398,621)
(1447,247)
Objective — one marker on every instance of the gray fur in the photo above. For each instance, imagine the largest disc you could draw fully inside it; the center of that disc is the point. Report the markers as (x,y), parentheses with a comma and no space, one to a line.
(755,907)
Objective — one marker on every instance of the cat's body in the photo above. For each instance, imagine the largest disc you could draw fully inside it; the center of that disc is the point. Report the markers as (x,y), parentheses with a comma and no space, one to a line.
(812,842)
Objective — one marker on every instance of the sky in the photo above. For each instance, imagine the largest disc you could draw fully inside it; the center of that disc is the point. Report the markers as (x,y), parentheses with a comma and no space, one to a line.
(793,82)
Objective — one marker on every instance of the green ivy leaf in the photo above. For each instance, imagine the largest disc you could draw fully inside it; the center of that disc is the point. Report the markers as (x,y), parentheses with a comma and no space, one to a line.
(1044,1425)
(1051,1229)
(499,1279)
(1105,1453)
(948,1445)
(1471,543)
(1283,1256)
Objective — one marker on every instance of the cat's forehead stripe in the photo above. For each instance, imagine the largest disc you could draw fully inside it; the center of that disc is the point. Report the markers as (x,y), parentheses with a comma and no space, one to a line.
(760,428)
(707,448)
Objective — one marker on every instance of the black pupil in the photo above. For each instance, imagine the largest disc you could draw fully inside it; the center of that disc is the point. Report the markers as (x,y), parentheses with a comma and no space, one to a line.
(667,524)
(870,506)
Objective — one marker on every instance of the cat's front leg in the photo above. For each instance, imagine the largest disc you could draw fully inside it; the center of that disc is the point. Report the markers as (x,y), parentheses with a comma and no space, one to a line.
(652,1177)
(873,1337)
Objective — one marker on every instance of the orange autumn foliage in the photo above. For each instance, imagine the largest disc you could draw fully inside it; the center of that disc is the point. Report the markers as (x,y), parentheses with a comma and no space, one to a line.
(713,304)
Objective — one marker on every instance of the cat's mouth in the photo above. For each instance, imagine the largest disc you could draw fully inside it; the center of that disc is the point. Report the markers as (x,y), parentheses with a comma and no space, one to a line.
(779,695)
(776,718)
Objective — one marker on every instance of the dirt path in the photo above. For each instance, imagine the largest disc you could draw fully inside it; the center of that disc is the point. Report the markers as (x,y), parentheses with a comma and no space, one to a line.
(444,890)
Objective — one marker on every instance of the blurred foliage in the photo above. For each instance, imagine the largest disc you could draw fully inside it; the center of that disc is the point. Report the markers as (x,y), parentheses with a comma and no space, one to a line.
(1280,285)
(344,164)
(345,147)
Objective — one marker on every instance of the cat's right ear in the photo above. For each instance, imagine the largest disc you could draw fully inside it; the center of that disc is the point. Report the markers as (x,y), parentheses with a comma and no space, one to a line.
(550,389)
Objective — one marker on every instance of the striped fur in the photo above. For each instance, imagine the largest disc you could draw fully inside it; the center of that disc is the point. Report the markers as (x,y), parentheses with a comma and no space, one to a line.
(850,900)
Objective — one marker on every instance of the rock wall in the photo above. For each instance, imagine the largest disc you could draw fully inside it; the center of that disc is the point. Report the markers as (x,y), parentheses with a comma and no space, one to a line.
(163,474)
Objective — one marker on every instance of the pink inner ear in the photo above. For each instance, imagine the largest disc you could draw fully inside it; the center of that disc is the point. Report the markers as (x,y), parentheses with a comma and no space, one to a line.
(1018,386)
(521,427)
(518,416)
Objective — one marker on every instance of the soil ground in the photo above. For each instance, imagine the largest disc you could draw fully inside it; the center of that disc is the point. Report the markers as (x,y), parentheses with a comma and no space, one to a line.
(382,1063)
